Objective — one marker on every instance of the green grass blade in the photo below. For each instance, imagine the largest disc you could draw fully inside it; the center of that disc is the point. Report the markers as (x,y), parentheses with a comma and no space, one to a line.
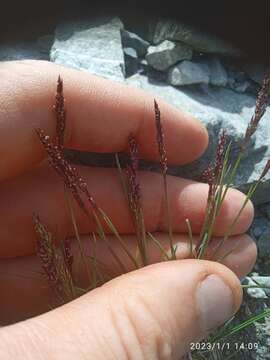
(240,327)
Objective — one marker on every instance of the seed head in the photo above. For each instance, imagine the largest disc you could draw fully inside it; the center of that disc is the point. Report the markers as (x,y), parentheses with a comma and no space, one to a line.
(55,151)
(133,152)
(260,107)
(67,254)
(220,153)
(68,173)
(46,250)
(160,140)
(60,112)
(211,173)
(134,191)
(265,170)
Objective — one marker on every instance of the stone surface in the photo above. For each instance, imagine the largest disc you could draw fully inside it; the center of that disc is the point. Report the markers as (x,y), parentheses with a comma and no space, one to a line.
(265,210)
(132,62)
(218,73)
(189,73)
(263,281)
(131,52)
(220,108)
(45,43)
(23,51)
(264,243)
(166,54)
(263,335)
(93,46)
(255,292)
(131,40)
(256,72)
(259,226)
(202,42)
(238,80)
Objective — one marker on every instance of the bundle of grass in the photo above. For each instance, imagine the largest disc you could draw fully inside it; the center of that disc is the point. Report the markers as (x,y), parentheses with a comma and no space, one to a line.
(220,176)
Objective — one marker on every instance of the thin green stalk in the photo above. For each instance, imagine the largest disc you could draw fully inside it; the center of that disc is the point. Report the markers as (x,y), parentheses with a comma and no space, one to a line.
(214,203)
(143,238)
(77,235)
(158,244)
(203,246)
(169,219)
(139,226)
(221,258)
(121,176)
(231,227)
(94,266)
(80,291)
(191,240)
(255,287)
(224,334)
(104,238)
(230,181)
(100,274)
(116,233)
(125,189)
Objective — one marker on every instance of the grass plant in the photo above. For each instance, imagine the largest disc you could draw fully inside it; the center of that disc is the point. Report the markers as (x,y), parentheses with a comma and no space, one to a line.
(57,262)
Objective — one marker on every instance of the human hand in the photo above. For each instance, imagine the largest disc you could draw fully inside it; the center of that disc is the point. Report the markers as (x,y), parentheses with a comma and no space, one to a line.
(152,313)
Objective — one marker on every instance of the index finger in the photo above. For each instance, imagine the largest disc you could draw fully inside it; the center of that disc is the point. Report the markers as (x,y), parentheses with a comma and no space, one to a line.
(101,115)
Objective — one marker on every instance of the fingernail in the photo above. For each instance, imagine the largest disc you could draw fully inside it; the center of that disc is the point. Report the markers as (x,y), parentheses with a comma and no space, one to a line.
(215,302)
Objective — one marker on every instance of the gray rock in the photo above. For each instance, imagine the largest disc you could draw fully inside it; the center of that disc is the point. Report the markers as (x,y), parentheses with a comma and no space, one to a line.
(23,51)
(166,54)
(45,43)
(218,74)
(265,209)
(263,338)
(199,41)
(259,226)
(238,80)
(132,62)
(93,46)
(264,243)
(256,72)
(131,52)
(255,292)
(264,281)
(220,108)
(189,73)
(240,87)
(131,40)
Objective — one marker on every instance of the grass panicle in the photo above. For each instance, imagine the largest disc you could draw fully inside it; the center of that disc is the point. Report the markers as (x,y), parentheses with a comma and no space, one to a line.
(164,168)
(46,250)
(71,178)
(54,263)
(135,199)
(261,104)
(67,254)
(214,175)
(60,111)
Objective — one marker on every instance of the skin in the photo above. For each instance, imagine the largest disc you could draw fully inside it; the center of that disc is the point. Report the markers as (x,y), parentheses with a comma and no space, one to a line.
(113,321)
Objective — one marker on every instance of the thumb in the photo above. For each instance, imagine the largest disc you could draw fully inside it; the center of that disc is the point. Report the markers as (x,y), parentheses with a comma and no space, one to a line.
(151,313)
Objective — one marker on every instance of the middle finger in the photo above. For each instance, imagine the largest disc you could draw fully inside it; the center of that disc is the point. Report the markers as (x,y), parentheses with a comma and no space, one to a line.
(42,192)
